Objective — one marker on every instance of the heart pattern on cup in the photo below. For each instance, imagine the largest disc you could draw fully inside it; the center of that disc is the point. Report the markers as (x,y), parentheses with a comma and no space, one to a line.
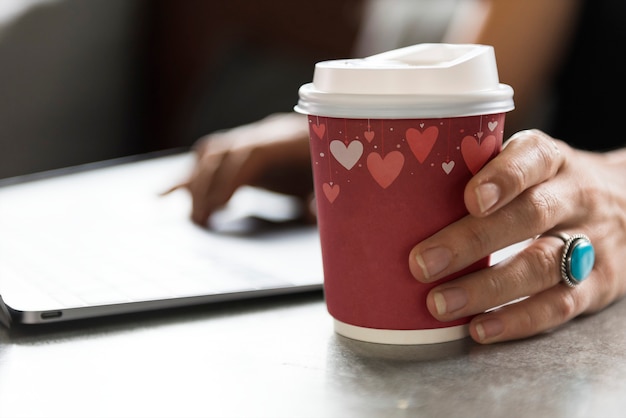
(347,156)
(383,152)
(319,130)
(385,170)
(331,191)
(476,154)
(421,143)
(447,166)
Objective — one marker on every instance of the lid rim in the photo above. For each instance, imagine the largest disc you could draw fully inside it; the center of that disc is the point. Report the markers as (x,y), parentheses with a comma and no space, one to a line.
(314,102)
(390,113)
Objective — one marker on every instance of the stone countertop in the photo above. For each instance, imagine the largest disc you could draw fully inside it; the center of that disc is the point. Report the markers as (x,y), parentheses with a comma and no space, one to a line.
(279,357)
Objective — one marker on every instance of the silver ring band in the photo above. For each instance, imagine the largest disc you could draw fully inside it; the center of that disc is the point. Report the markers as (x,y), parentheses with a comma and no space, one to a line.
(577,259)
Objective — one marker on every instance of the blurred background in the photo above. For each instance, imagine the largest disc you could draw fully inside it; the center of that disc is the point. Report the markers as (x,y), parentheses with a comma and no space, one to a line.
(89,80)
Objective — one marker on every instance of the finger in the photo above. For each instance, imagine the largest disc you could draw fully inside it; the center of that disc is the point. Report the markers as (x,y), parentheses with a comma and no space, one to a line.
(175,187)
(529,158)
(531,316)
(221,175)
(536,210)
(236,168)
(531,271)
(201,146)
(201,187)
(470,239)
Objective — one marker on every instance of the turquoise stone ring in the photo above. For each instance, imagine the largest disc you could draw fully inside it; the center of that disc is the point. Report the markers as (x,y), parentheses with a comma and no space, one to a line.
(577,259)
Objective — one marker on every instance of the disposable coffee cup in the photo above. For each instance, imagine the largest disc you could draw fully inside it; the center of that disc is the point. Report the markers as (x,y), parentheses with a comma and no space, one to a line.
(394,139)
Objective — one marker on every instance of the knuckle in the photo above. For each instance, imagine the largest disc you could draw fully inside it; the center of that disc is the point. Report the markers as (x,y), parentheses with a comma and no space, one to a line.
(535,145)
(527,322)
(541,208)
(595,198)
(544,262)
(478,239)
(518,177)
(546,153)
(606,288)
(495,287)
(566,307)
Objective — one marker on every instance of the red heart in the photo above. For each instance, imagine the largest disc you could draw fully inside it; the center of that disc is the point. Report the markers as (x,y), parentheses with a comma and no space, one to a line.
(369,135)
(319,130)
(331,191)
(385,170)
(475,154)
(422,143)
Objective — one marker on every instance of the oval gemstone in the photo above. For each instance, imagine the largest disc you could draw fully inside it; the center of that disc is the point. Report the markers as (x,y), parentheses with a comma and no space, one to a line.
(582,259)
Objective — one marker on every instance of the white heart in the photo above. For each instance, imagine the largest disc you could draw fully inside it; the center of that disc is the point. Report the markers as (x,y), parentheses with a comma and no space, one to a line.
(492,125)
(347,156)
(447,166)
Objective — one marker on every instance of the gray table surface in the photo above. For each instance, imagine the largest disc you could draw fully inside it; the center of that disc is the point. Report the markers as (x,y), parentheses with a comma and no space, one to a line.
(279,357)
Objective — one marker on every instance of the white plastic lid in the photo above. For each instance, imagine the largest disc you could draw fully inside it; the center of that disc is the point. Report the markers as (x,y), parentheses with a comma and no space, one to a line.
(419,81)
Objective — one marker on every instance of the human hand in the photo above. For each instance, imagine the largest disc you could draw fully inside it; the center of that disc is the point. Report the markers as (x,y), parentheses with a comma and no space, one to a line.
(537,186)
(272,153)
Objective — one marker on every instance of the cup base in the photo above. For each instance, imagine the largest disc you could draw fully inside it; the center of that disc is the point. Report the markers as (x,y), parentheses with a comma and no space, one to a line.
(402,337)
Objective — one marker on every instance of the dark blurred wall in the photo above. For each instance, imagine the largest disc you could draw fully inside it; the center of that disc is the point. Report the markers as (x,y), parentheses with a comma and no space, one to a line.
(68,83)
(218,64)
(88,80)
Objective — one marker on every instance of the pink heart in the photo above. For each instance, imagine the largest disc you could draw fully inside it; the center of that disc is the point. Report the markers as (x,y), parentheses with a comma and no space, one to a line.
(475,154)
(421,143)
(369,135)
(346,155)
(319,130)
(331,191)
(385,170)
(447,166)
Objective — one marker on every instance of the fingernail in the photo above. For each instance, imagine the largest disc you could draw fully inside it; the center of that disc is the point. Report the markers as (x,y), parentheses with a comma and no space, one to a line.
(489,328)
(450,300)
(487,195)
(434,261)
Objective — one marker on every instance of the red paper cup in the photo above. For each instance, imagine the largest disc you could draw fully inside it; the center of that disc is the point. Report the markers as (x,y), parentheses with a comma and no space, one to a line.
(385,183)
